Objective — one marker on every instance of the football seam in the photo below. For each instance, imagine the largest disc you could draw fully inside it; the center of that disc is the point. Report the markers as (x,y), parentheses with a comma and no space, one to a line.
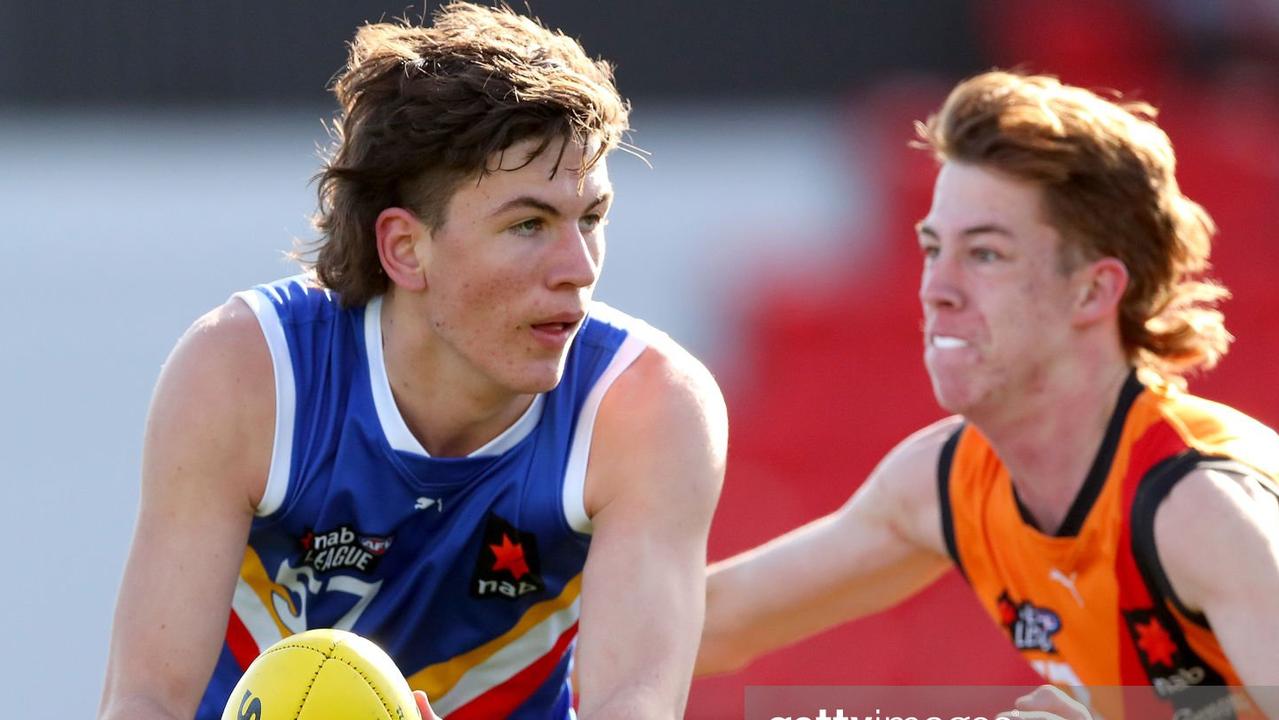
(306,692)
(330,656)
(368,681)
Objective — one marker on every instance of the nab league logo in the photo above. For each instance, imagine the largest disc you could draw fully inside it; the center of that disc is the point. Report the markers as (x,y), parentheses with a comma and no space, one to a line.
(508,566)
(1030,627)
(343,548)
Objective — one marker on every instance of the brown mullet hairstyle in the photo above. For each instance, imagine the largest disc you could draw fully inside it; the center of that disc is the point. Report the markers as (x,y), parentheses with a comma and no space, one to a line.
(1108,176)
(425,108)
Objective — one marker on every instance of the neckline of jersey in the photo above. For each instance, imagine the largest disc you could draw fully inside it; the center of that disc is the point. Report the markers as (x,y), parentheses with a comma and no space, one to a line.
(392,421)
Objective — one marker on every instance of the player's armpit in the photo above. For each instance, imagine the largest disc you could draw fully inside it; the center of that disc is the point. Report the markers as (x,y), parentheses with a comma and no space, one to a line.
(1217,536)
(206,452)
(884,545)
(653,480)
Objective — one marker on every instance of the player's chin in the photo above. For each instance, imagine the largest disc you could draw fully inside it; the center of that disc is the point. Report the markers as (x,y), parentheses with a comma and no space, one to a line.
(954,395)
(539,377)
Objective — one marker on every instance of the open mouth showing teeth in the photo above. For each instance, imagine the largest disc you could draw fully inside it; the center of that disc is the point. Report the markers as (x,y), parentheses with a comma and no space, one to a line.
(945,342)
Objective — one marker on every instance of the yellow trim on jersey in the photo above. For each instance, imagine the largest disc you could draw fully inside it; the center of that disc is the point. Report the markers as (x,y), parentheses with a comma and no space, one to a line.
(438,679)
(253,573)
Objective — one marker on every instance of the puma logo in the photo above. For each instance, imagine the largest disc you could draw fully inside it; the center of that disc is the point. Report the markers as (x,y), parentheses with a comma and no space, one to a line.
(1067,581)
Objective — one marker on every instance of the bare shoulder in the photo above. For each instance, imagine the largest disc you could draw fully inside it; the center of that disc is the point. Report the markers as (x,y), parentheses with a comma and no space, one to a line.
(215,400)
(665,413)
(908,473)
(1215,502)
(667,378)
(228,337)
(903,487)
(1213,528)
(223,360)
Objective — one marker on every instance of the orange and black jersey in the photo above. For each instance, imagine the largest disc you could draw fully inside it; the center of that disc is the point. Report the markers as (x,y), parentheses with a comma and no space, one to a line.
(1090,606)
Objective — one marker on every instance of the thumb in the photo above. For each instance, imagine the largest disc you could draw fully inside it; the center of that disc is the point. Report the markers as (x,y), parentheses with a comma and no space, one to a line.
(424,707)
(1051,699)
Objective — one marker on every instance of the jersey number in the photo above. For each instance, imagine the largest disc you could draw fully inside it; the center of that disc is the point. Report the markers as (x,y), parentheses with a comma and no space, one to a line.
(302,583)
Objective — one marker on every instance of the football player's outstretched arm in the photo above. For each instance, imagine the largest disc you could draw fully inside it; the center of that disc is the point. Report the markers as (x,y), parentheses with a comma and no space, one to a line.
(882,546)
(654,476)
(206,452)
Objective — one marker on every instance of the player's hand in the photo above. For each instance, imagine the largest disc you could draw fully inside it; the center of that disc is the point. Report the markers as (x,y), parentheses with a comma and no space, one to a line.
(424,707)
(1048,702)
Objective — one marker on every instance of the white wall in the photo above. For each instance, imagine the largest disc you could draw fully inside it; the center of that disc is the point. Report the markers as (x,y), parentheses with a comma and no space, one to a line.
(116,231)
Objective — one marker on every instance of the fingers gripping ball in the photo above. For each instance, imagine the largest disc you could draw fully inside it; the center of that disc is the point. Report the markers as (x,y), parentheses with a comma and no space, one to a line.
(322,675)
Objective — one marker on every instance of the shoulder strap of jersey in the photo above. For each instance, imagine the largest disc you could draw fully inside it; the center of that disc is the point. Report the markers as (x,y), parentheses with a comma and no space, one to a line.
(944,463)
(1153,645)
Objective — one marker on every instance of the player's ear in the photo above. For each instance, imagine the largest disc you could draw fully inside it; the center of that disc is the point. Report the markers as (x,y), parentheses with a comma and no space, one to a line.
(401,240)
(1101,289)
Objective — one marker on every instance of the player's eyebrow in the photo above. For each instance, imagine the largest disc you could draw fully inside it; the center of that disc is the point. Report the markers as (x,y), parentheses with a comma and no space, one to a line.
(987,229)
(983,229)
(532,203)
(526,202)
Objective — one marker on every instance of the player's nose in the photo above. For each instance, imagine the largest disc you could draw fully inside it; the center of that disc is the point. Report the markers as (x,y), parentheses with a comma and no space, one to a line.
(576,259)
(939,285)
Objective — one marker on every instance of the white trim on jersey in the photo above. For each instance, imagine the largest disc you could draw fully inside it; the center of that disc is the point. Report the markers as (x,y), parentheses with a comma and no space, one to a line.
(518,430)
(393,426)
(575,469)
(256,618)
(388,415)
(277,480)
(505,663)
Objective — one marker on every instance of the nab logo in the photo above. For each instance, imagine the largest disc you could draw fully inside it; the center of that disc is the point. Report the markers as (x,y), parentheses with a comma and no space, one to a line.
(1031,627)
(1170,671)
(508,565)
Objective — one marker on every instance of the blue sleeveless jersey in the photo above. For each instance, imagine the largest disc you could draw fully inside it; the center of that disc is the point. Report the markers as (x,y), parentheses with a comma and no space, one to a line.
(466,570)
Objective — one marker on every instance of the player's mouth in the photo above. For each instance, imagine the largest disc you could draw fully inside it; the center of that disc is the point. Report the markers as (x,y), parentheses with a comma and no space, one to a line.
(947,342)
(555,332)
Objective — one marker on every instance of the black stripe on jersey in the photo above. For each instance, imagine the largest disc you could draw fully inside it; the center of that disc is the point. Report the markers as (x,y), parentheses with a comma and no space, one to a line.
(1155,486)
(1096,479)
(944,462)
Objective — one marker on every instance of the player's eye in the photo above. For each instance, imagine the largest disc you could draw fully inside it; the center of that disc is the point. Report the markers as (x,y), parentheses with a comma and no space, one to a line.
(589,223)
(528,228)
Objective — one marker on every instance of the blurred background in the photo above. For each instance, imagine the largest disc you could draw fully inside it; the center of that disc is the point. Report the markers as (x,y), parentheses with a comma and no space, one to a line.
(155,157)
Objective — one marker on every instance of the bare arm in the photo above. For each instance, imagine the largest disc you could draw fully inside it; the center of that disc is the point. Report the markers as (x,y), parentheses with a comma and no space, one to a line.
(655,471)
(1217,536)
(882,546)
(205,458)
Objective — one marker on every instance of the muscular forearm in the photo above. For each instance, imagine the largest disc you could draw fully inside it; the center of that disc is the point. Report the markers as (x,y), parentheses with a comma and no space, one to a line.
(136,707)
(632,704)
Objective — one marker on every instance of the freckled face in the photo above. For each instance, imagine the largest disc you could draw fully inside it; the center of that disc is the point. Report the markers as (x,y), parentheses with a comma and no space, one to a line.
(512,269)
(997,308)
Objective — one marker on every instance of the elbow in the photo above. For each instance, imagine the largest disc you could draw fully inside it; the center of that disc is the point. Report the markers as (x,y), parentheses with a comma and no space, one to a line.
(721,653)
(718,663)
(631,705)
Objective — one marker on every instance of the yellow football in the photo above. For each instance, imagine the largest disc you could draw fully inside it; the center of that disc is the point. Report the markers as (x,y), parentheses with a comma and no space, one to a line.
(322,675)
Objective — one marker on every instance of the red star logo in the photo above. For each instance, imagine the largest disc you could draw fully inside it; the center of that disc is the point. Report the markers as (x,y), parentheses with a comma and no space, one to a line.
(1155,642)
(510,557)
(1007,612)
(307,539)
